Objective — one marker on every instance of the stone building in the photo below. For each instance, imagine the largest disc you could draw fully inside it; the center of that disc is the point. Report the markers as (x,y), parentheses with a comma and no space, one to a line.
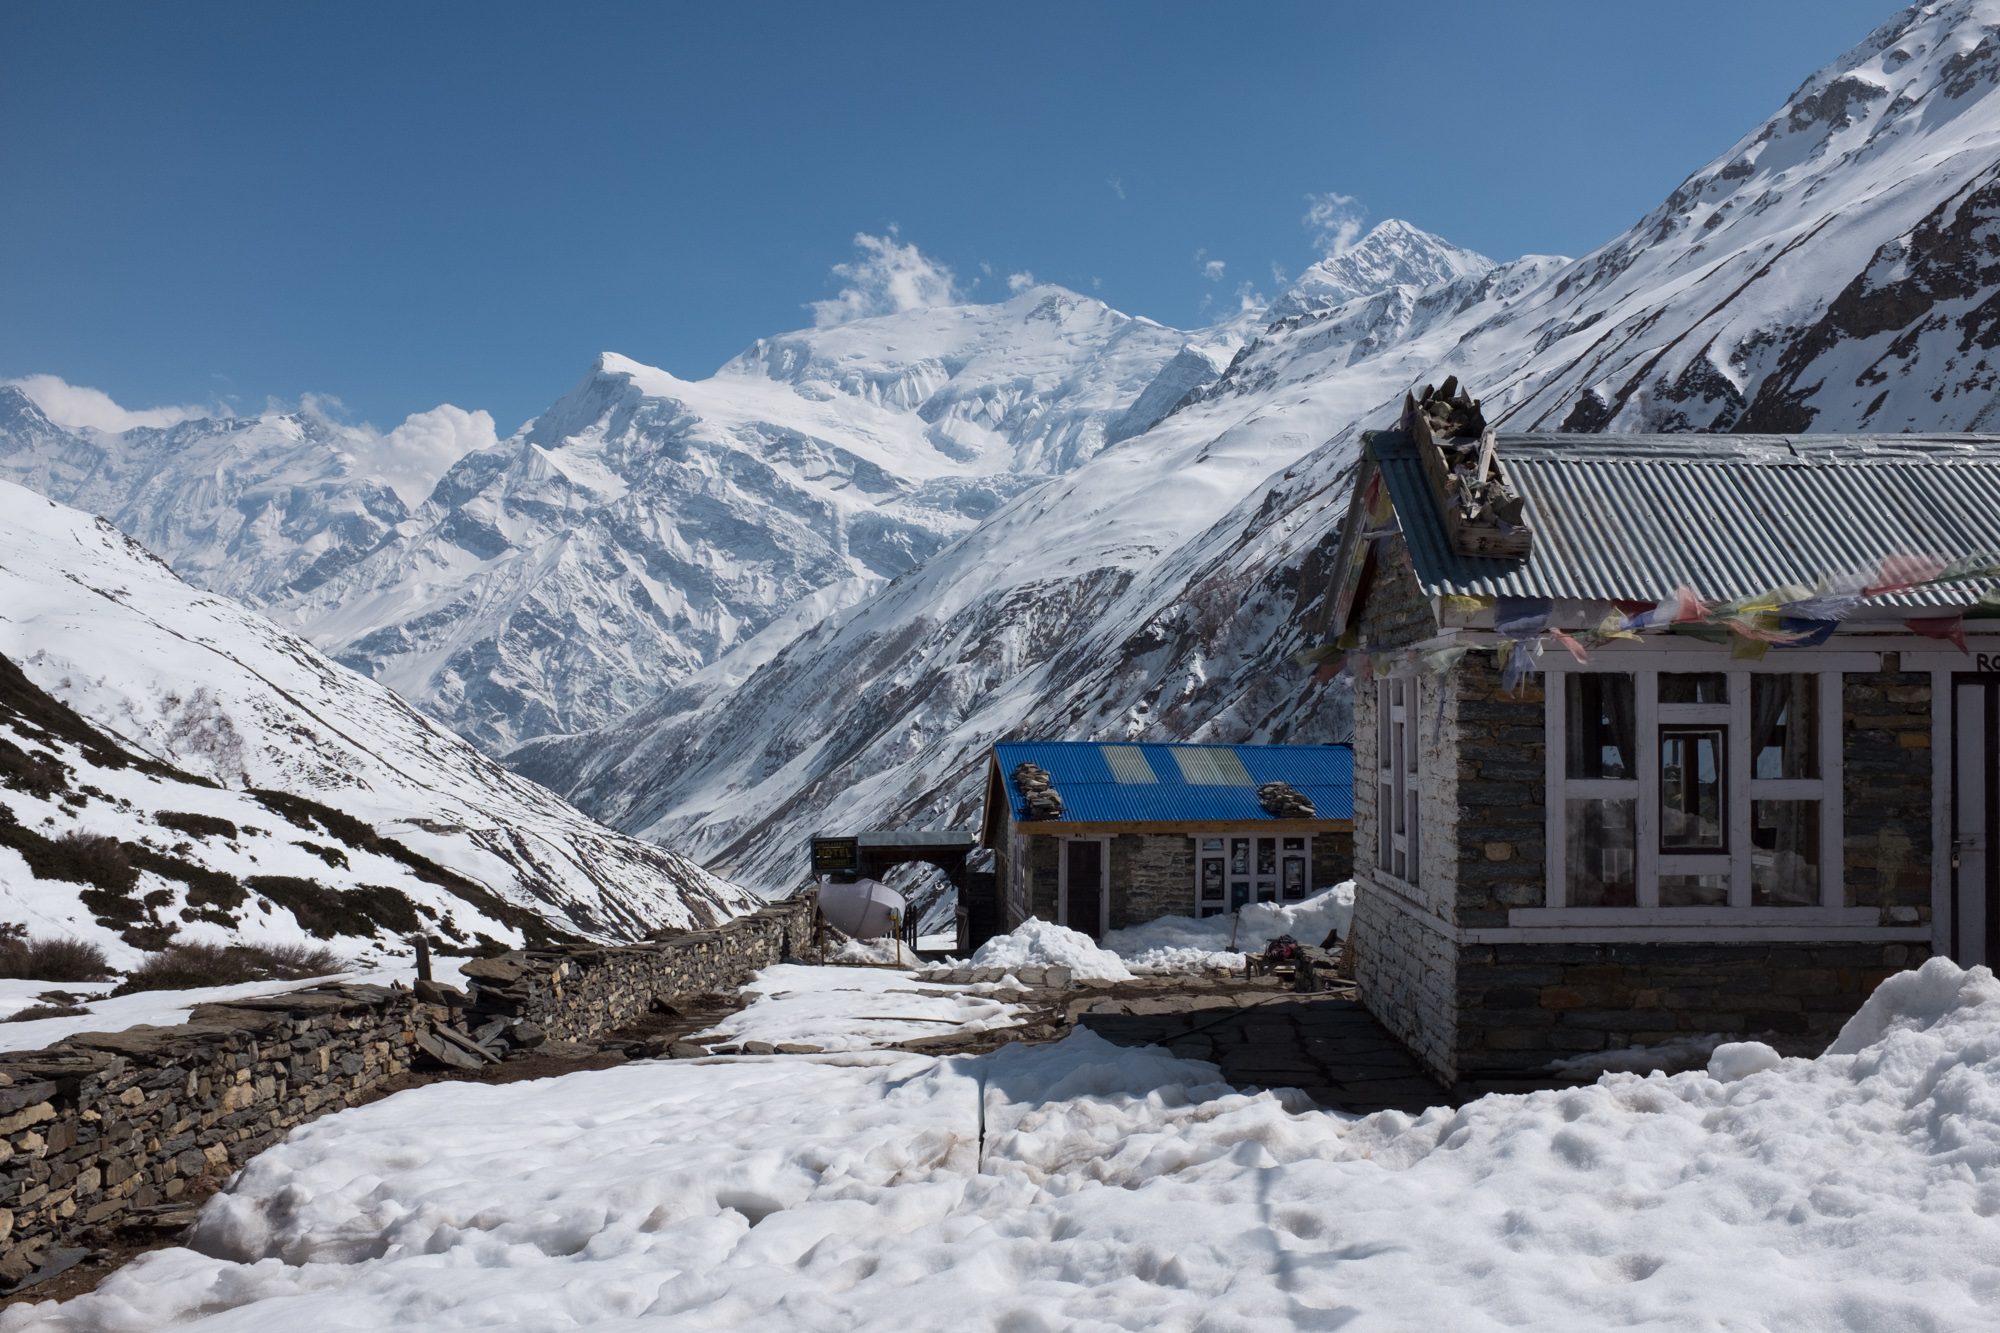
(1596,808)
(1101,835)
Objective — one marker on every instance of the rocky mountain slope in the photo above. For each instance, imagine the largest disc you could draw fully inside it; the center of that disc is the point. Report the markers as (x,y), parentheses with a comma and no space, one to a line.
(173,689)
(1833,270)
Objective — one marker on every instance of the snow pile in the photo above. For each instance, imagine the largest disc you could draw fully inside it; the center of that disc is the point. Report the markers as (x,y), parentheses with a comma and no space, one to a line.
(1121,1188)
(855,1009)
(1039,943)
(1185,944)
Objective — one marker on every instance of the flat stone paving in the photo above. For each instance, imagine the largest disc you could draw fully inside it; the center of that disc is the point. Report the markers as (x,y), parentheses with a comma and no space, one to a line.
(1327,1046)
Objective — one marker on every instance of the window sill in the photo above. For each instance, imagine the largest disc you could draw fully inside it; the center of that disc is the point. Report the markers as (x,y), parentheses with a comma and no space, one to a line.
(1671,917)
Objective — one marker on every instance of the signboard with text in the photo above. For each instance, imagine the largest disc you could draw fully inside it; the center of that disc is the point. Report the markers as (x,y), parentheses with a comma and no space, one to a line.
(836,858)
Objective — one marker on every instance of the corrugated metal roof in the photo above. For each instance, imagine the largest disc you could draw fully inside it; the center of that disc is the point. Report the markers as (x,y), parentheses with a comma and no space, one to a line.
(1633,517)
(1099,784)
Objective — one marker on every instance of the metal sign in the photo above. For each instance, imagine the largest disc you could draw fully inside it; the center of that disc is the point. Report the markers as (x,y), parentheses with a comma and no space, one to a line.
(837,858)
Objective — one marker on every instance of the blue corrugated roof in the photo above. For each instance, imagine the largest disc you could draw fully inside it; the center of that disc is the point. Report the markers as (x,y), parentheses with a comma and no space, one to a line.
(1092,792)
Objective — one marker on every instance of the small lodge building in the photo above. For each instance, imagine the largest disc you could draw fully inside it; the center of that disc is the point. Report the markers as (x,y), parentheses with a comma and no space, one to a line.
(1664,736)
(1098,836)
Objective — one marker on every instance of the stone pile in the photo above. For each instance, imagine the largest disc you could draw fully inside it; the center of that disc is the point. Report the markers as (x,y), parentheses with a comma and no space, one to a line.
(1038,791)
(1281,800)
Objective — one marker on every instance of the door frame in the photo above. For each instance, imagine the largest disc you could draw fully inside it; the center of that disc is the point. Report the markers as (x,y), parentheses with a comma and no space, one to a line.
(1981,659)
(1103,883)
(1990,680)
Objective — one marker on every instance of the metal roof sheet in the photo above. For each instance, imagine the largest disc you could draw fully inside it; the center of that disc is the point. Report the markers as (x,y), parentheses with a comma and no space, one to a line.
(1098,782)
(1634,517)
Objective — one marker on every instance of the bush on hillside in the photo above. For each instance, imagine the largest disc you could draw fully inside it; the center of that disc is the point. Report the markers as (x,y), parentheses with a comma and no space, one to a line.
(188,966)
(49,959)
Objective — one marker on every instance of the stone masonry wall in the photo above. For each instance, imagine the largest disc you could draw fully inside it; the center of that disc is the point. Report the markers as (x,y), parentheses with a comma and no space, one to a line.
(1500,829)
(1406,973)
(1886,815)
(1333,859)
(1152,874)
(1522,1006)
(105,1128)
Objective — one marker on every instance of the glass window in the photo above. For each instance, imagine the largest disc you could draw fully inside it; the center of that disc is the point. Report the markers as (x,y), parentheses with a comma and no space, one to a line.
(1784,853)
(1295,877)
(1239,856)
(1295,844)
(1599,725)
(1211,878)
(1784,726)
(1694,687)
(1691,789)
(1267,856)
(1603,870)
(1708,890)
(1211,844)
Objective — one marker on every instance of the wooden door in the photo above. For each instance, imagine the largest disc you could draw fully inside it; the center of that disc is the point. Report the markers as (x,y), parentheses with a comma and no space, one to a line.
(1085,905)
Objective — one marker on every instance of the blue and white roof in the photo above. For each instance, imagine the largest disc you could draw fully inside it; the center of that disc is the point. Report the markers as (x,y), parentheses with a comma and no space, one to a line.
(1117,782)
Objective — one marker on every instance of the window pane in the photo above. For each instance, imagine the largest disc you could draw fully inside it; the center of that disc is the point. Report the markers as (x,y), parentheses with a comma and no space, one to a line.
(1784,726)
(1239,856)
(1295,844)
(1211,878)
(1694,687)
(1598,724)
(1784,853)
(1691,804)
(1694,890)
(1211,844)
(1267,856)
(1384,816)
(1295,877)
(1602,865)
(1411,840)
(1410,730)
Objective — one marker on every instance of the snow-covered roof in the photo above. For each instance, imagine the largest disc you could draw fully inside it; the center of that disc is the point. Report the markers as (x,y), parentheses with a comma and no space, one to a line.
(1635,517)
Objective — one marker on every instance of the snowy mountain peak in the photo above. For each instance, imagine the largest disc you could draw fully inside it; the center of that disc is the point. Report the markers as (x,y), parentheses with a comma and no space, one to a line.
(1392,254)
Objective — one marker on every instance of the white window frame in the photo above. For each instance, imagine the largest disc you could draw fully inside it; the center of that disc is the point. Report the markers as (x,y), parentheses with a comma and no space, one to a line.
(1398,750)
(1740,790)
(1251,832)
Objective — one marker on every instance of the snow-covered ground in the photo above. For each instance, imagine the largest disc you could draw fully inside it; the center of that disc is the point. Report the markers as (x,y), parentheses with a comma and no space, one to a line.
(857,1009)
(1085,1185)
(1185,944)
(1171,944)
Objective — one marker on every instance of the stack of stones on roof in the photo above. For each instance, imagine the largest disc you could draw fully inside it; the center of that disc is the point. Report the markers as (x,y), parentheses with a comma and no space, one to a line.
(113,1133)
(1284,801)
(1038,792)
(1484,512)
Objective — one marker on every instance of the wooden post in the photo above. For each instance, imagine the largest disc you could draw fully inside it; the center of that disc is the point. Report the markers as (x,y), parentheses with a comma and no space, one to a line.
(423,958)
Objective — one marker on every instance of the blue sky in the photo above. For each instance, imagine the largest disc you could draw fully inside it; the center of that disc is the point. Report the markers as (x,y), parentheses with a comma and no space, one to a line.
(403,205)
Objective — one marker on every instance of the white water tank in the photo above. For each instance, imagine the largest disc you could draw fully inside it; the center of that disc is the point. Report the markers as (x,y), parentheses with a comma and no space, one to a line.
(867,909)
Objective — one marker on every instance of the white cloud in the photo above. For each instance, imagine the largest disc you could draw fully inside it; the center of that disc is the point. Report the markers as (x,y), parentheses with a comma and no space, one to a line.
(887,278)
(1117,185)
(1020,282)
(410,459)
(1212,269)
(77,406)
(1334,221)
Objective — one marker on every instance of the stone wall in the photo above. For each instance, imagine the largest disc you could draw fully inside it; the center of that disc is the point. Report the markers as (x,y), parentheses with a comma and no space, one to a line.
(1521,1006)
(1886,810)
(1406,971)
(1152,874)
(1333,859)
(105,1128)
